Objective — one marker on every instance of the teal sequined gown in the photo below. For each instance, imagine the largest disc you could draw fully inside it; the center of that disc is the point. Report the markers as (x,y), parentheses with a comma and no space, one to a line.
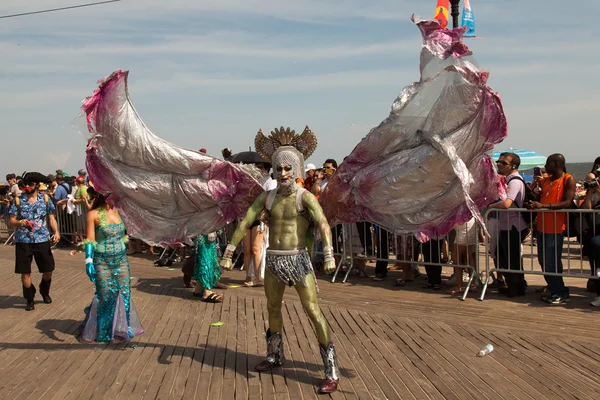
(111,313)
(206,271)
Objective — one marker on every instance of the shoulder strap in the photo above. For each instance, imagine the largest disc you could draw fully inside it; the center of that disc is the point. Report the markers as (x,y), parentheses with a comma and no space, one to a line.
(519,178)
(299,206)
(270,199)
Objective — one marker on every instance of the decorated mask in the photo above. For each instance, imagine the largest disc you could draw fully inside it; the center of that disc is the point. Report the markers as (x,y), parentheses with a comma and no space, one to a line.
(287,152)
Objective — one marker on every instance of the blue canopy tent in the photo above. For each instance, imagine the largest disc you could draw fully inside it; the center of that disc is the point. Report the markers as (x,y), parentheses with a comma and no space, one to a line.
(529,158)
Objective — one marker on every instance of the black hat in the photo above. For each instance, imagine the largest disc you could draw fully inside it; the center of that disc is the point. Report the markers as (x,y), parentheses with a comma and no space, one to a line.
(35,177)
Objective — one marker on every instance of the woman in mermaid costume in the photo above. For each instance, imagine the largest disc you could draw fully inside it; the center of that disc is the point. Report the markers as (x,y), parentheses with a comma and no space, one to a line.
(207,271)
(111,314)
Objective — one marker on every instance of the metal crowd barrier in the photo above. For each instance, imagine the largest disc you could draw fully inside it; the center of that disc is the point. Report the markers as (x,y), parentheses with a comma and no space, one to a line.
(581,226)
(365,241)
(71,226)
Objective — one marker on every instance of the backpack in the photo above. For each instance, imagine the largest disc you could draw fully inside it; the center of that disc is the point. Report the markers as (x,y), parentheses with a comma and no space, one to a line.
(68,187)
(528,216)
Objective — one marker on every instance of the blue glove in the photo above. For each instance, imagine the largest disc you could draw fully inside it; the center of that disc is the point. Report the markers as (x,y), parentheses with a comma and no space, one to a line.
(90,270)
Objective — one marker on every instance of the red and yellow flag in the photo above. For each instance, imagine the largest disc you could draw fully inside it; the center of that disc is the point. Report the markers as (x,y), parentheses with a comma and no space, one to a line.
(441,12)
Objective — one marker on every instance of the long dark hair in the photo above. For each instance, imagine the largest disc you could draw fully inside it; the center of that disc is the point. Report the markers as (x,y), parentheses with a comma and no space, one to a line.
(98,198)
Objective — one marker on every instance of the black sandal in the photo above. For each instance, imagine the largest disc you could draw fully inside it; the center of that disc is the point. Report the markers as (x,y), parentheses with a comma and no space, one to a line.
(212,298)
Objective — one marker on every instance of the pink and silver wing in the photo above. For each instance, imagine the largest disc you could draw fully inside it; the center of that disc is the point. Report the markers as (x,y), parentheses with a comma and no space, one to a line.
(165,194)
(425,168)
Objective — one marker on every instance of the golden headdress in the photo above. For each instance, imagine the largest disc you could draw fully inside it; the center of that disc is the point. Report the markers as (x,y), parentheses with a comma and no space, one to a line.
(284,144)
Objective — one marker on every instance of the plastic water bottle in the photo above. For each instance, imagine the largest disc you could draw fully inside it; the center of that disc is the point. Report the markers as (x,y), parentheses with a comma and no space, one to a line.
(487,349)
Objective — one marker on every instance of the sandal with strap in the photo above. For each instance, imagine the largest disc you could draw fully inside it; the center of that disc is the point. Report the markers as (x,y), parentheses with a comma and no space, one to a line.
(212,298)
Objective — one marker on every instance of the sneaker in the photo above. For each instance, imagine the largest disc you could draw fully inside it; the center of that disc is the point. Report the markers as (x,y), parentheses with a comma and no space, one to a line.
(595,302)
(556,299)
(379,277)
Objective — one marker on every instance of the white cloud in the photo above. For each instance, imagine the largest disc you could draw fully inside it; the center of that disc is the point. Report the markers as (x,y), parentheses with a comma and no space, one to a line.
(331,62)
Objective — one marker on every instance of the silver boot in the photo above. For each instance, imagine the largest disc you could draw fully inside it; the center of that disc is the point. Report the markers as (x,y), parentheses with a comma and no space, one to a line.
(332,373)
(274,352)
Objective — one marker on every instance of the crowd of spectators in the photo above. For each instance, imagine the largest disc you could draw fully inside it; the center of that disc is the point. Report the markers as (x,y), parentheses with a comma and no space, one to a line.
(552,189)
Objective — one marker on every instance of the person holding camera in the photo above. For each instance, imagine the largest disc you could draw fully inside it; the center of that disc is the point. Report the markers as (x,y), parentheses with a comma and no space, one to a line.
(29,213)
(557,192)
(591,227)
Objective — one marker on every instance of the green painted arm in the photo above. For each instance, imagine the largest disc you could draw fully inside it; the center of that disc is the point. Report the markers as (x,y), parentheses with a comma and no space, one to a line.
(316,213)
(253,213)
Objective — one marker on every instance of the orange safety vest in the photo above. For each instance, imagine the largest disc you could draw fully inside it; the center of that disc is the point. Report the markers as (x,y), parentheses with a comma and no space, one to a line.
(553,192)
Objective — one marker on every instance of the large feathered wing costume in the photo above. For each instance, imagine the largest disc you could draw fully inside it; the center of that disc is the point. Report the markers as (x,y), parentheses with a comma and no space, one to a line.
(425,168)
(165,194)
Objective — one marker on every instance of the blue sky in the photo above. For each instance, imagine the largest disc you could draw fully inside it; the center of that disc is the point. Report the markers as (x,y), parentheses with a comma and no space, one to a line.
(211,73)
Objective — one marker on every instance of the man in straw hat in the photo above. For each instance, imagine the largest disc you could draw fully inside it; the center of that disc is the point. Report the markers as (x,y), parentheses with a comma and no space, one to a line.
(289,209)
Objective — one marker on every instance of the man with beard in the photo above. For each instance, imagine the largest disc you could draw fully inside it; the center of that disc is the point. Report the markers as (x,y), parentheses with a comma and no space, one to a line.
(289,209)
(29,214)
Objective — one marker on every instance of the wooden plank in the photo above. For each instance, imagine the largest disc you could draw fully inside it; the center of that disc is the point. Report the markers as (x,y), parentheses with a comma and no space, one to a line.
(360,364)
(378,366)
(421,360)
(254,356)
(413,338)
(232,324)
(295,367)
(241,350)
(151,313)
(351,383)
(195,319)
(139,376)
(486,368)
(204,384)
(266,379)
(153,373)
(179,341)
(192,386)
(542,374)
(514,365)
(218,370)
(389,351)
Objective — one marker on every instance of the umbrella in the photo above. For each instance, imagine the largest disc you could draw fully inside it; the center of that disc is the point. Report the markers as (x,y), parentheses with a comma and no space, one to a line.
(248,157)
(529,158)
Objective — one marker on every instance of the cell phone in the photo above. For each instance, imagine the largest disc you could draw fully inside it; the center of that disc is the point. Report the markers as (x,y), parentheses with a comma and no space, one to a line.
(537,171)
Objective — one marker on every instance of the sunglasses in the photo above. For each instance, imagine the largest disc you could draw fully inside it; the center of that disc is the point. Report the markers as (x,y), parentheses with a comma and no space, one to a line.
(502,162)
(29,184)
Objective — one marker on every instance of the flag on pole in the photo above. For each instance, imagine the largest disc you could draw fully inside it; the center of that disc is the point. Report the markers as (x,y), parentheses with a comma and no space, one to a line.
(441,12)
(468,19)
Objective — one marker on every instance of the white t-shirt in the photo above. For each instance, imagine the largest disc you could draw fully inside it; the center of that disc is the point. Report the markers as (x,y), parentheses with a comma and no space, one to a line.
(269,184)
(15,191)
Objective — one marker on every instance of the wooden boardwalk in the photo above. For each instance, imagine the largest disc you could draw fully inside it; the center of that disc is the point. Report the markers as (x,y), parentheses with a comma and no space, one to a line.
(392,343)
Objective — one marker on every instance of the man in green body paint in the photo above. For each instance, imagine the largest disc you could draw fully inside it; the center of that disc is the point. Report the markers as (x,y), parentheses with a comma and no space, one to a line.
(288,210)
